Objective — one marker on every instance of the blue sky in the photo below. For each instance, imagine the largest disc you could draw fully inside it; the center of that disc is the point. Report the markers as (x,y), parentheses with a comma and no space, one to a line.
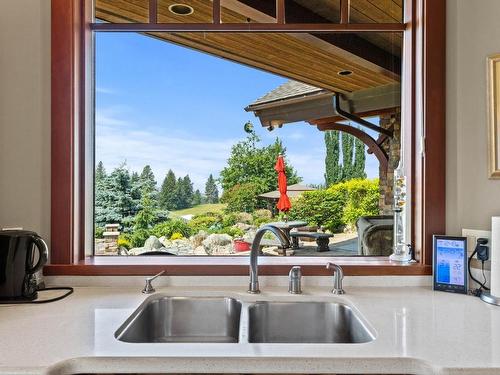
(174,108)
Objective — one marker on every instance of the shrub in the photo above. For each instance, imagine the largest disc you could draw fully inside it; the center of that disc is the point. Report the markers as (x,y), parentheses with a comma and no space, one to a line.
(363,199)
(98,232)
(232,231)
(320,207)
(242,197)
(262,214)
(124,241)
(339,205)
(168,228)
(138,237)
(176,236)
(204,222)
(229,219)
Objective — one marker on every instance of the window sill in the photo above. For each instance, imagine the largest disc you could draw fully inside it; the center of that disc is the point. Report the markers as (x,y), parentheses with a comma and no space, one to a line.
(233,266)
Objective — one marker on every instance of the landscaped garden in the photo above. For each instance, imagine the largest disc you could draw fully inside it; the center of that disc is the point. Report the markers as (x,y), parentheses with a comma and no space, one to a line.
(176,219)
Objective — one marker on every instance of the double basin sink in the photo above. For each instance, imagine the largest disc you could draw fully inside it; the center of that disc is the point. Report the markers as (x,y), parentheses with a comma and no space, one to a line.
(166,319)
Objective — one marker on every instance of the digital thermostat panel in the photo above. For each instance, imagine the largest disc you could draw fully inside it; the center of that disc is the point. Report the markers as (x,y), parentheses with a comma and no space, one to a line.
(450,264)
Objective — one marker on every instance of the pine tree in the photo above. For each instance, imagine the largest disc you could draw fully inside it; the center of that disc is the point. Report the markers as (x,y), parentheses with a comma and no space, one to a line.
(197,198)
(359,159)
(135,191)
(333,170)
(178,195)
(100,173)
(211,191)
(148,182)
(113,200)
(167,191)
(187,187)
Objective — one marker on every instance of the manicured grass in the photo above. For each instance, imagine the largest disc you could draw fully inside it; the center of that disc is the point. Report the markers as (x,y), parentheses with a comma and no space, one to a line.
(200,209)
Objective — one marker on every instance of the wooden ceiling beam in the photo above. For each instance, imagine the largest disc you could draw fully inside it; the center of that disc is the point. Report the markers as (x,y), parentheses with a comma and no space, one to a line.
(350,42)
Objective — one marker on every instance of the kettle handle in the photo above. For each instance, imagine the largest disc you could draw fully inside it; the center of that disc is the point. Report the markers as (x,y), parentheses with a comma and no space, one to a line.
(43,253)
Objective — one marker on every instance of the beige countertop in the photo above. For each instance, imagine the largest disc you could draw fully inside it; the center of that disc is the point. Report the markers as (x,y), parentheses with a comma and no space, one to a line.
(418,331)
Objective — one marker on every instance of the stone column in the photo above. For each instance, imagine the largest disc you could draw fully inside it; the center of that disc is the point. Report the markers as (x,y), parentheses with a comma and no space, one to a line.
(111,234)
(392,147)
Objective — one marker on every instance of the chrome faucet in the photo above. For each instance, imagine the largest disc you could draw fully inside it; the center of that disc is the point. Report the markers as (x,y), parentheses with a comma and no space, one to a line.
(338,276)
(294,280)
(148,288)
(254,253)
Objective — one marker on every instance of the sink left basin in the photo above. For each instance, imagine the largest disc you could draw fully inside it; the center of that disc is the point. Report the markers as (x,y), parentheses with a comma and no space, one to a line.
(183,319)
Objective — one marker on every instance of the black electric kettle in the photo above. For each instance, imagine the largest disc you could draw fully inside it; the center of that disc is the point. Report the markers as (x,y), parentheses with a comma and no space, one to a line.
(22,254)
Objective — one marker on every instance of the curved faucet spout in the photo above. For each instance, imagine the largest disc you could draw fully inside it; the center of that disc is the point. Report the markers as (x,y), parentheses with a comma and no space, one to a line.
(254,253)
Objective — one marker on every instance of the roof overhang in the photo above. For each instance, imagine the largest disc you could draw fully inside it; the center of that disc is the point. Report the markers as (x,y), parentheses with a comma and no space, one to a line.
(319,105)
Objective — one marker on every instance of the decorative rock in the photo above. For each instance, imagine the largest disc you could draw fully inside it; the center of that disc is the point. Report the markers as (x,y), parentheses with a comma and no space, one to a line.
(218,244)
(250,235)
(200,250)
(152,243)
(244,227)
(244,217)
(198,239)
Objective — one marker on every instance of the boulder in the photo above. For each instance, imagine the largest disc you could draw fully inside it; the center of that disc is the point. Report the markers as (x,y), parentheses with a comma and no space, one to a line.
(249,235)
(198,239)
(218,244)
(200,250)
(244,227)
(152,243)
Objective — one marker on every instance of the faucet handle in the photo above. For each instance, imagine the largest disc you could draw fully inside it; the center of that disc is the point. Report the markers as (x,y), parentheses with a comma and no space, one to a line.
(294,280)
(148,288)
(338,276)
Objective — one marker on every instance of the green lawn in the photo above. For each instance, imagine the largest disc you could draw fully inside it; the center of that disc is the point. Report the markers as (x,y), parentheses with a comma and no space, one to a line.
(200,209)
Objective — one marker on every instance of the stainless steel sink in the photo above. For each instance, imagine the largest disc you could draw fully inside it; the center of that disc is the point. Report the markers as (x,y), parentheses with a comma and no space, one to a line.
(183,319)
(306,322)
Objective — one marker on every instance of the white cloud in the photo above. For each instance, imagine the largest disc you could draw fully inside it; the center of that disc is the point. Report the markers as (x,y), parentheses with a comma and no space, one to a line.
(195,157)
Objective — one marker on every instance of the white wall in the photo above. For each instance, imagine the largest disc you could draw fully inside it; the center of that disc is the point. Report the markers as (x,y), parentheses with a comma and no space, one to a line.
(473,32)
(25,114)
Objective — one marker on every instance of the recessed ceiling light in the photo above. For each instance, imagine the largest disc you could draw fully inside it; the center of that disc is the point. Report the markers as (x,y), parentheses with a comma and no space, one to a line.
(181,9)
(344,73)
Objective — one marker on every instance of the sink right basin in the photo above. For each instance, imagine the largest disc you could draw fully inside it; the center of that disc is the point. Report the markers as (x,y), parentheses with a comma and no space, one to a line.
(306,322)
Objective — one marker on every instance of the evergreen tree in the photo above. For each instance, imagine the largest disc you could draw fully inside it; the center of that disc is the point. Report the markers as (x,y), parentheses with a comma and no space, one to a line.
(359,159)
(347,156)
(197,198)
(211,191)
(333,169)
(135,191)
(148,182)
(145,218)
(167,199)
(178,195)
(100,173)
(113,200)
(187,187)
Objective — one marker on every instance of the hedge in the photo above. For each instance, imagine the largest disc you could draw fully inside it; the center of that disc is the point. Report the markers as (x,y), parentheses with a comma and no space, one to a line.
(338,206)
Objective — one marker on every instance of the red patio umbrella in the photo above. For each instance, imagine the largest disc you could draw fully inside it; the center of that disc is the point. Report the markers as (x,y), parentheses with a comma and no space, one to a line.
(283,203)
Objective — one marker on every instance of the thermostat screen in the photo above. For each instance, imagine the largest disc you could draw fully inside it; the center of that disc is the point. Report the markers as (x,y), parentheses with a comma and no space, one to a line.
(450,261)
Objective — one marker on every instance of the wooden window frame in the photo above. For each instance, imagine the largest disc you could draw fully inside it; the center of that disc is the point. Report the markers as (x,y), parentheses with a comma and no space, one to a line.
(423,90)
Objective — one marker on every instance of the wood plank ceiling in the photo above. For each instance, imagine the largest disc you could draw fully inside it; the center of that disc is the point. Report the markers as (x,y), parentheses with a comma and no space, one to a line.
(312,59)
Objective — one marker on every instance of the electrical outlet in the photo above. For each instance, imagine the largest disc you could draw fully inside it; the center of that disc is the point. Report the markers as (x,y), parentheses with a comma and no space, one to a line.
(472,236)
